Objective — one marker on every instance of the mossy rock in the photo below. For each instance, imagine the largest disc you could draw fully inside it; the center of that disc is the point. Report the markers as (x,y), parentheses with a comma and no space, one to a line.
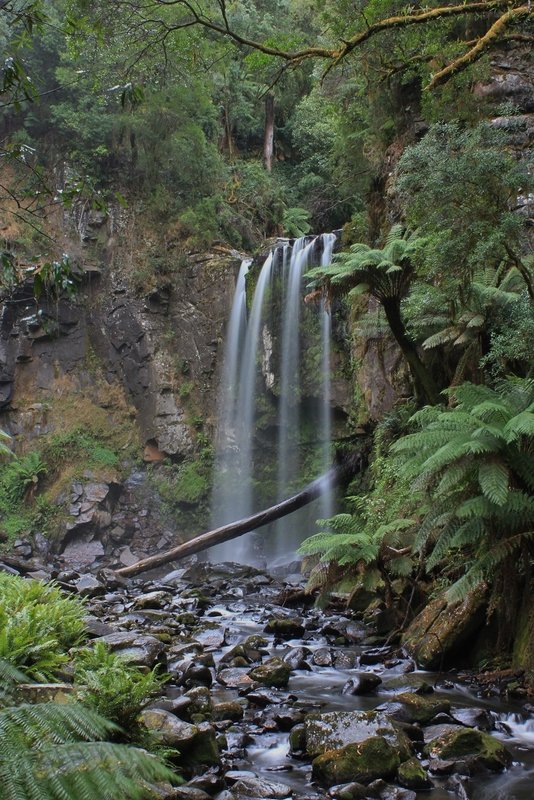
(412,775)
(478,748)
(339,728)
(285,628)
(274,672)
(412,707)
(362,762)
(440,630)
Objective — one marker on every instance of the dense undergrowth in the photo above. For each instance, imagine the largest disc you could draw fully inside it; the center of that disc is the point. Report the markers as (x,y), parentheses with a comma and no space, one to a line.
(80,748)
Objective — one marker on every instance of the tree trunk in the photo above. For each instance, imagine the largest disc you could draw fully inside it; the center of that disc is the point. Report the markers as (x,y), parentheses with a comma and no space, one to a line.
(425,387)
(339,474)
(268,139)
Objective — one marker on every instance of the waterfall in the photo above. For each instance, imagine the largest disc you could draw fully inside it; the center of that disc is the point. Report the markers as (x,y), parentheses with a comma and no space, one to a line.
(253,388)
(289,404)
(326,502)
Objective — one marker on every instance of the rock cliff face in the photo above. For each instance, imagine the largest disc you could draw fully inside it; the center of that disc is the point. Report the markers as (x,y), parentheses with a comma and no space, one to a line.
(159,350)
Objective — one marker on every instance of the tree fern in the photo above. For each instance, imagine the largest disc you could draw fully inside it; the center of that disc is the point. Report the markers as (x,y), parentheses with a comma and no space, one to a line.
(479,481)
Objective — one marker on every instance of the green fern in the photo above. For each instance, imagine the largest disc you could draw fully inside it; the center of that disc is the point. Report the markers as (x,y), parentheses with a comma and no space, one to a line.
(478,481)
(54,751)
(38,625)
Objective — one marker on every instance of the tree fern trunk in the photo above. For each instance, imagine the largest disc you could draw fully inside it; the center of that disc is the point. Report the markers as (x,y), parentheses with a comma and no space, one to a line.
(425,387)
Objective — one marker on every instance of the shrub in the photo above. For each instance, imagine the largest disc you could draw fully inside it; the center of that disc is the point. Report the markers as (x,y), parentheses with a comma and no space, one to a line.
(38,624)
(114,688)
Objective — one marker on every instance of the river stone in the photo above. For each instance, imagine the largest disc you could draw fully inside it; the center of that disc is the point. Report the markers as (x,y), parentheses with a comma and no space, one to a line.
(362,683)
(231,710)
(255,787)
(407,683)
(296,658)
(285,628)
(297,740)
(474,718)
(441,629)
(134,647)
(88,586)
(349,791)
(234,678)
(338,728)
(323,657)
(413,776)
(362,762)
(435,731)
(475,747)
(268,697)
(201,702)
(157,599)
(412,707)
(384,791)
(211,638)
(274,672)
(168,729)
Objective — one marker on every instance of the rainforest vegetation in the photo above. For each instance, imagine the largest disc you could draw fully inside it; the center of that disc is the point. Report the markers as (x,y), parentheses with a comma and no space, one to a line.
(232,122)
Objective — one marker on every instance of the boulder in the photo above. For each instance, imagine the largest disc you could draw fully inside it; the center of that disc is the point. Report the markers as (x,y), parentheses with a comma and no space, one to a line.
(474,747)
(363,762)
(157,599)
(440,630)
(362,683)
(274,672)
(285,628)
(339,728)
(412,775)
(168,729)
(135,648)
(411,707)
(253,786)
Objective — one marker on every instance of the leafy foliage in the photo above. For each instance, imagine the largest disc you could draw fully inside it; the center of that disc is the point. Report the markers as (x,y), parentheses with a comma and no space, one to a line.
(52,751)
(38,624)
(116,690)
(475,463)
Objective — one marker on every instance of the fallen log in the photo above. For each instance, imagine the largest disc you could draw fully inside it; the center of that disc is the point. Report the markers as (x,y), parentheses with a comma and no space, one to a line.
(340,473)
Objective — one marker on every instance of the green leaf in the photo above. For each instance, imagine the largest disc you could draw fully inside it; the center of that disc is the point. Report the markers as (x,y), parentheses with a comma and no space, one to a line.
(494,479)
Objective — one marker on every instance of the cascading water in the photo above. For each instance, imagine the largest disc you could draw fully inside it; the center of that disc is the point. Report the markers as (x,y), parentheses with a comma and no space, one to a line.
(258,385)
(289,403)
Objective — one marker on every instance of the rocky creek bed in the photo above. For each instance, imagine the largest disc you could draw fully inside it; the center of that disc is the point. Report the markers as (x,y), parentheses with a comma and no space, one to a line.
(270,697)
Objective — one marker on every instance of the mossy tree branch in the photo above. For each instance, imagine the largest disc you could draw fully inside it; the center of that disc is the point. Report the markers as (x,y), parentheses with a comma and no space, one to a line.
(508,13)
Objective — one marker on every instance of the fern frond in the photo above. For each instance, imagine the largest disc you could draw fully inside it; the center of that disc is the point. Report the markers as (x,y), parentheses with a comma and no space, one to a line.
(494,479)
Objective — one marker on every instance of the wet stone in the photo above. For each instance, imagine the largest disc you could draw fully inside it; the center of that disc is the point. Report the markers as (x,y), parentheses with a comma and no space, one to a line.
(89,586)
(473,718)
(362,683)
(296,658)
(362,762)
(285,628)
(234,678)
(274,672)
(255,787)
(157,600)
(338,728)
(349,791)
(323,657)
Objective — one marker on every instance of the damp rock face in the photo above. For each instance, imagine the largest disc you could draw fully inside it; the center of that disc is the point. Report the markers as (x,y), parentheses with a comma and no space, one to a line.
(441,629)
(363,762)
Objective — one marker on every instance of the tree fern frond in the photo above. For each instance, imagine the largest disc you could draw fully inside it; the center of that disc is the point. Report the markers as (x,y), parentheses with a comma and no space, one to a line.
(520,425)
(494,479)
